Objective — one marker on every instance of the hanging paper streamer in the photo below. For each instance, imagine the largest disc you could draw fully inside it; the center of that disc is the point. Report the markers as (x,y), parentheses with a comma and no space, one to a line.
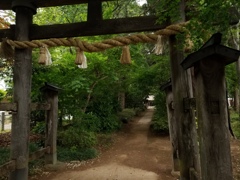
(84,63)
(45,56)
(125,57)
(158,49)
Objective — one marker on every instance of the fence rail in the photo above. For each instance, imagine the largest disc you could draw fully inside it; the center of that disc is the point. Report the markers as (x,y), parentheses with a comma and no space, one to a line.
(34,106)
(10,166)
(39,153)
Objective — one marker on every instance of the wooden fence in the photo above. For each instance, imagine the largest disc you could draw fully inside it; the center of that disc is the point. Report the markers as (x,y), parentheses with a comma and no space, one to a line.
(51,110)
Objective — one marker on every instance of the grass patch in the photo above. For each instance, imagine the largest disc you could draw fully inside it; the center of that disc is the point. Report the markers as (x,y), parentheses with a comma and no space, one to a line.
(235,123)
(236,128)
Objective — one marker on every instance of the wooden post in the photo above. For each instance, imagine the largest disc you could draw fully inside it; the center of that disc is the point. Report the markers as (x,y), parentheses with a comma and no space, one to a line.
(94,11)
(172,124)
(185,119)
(22,88)
(212,120)
(51,95)
(3,121)
(211,100)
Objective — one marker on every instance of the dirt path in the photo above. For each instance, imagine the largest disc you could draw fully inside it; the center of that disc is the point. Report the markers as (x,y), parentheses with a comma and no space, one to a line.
(136,155)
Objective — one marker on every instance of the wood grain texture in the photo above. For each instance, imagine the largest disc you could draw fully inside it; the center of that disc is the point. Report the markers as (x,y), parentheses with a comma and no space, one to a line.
(104,27)
(7,4)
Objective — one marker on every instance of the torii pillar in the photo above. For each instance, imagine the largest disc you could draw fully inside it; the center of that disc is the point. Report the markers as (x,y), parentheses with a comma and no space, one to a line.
(209,64)
(172,124)
(22,89)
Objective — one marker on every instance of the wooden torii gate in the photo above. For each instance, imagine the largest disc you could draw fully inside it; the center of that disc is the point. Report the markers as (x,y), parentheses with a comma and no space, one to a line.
(24,30)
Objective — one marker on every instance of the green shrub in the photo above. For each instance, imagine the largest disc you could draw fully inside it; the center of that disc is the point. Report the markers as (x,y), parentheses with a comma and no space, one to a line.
(77,137)
(39,128)
(110,124)
(160,124)
(235,123)
(74,153)
(2,94)
(236,128)
(138,111)
(90,122)
(5,155)
(126,114)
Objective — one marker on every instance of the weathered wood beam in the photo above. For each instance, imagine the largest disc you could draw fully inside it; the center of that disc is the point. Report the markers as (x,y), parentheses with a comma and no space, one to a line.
(34,106)
(8,167)
(40,106)
(110,26)
(39,153)
(7,4)
(8,107)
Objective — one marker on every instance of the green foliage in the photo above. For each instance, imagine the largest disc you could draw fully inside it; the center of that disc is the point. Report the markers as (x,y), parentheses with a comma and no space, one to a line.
(5,155)
(90,122)
(235,123)
(77,137)
(121,9)
(160,121)
(110,124)
(33,147)
(39,128)
(2,94)
(75,153)
(159,124)
(236,128)
(232,80)
(126,114)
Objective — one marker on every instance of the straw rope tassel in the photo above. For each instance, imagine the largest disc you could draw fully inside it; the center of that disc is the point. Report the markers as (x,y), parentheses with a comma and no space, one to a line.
(79,56)
(6,51)
(125,57)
